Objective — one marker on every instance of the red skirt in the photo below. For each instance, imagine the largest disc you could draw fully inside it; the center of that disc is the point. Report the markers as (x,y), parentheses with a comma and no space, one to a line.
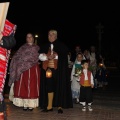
(28,85)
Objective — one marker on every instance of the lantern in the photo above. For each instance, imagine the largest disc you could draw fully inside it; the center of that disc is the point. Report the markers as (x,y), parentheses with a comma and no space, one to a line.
(48,73)
(101,65)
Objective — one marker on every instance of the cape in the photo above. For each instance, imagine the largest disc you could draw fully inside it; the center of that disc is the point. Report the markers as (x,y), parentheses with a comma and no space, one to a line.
(62,94)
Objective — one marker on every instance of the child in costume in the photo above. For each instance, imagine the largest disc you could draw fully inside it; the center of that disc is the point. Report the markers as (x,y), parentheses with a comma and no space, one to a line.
(86,85)
(76,70)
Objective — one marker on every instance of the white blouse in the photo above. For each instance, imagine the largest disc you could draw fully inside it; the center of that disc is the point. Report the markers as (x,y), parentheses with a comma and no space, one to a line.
(86,77)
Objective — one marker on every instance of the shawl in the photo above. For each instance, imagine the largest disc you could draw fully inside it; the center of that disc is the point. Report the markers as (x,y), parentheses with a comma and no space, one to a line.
(25,58)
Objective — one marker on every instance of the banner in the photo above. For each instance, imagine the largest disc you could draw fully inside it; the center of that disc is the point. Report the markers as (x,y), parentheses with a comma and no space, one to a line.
(4,53)
(3,13)
(8,28)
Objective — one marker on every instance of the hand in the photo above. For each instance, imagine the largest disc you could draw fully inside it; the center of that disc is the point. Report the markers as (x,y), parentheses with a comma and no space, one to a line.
(92,85)
(55,54)
(51,57)
(78,78)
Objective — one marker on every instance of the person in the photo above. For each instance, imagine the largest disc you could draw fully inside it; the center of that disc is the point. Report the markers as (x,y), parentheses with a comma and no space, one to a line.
(55,90)
(95,59)
(25,75)
(86,54)
(86,85)
(75,52)
(6,44)
(101,75)
(93,62)
(76,70)
(70,63)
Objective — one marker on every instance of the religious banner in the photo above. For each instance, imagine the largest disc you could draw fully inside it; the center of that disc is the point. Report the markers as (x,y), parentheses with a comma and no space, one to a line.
(3,13)
(4,53)
(8,28)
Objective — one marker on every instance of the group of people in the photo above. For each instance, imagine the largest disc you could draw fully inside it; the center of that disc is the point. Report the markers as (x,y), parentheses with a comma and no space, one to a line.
(40,77)
(97,78)
(30,79)
(82,82)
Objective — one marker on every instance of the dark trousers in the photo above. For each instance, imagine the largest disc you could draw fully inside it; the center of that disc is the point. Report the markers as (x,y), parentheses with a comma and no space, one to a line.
(86,94)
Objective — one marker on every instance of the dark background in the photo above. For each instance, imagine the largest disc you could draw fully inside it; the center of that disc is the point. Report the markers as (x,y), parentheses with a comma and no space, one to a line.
(75,22)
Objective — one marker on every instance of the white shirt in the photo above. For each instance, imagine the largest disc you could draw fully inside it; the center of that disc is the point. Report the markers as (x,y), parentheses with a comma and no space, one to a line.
(86,77)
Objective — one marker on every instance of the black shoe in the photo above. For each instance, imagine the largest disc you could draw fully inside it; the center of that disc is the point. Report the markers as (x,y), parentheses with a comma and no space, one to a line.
(60,111)
(30,109)
(46,110)
(25,109)
(76,102)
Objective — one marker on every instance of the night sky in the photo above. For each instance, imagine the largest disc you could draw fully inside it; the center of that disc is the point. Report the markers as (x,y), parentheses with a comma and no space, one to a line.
(75,22)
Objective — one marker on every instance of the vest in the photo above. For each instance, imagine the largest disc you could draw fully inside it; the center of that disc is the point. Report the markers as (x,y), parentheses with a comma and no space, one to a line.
(82,79)
(50,63)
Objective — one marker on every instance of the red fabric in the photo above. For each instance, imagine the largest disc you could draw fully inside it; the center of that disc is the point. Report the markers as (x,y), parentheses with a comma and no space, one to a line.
(82,78)
(3,67)
(25,88)
(1,116)
(8,28)
(4,54)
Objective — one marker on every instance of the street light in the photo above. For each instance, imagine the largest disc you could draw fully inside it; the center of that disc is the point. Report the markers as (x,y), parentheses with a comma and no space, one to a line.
(36,37)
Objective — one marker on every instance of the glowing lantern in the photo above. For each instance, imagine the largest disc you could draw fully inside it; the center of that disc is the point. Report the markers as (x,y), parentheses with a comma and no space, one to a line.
(101,65)
(48,73)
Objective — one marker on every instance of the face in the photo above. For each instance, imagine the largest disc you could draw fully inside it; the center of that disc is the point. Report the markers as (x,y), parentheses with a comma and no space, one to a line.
(30,38)
(52,36)
(86,52)
(79,57)
(77,49)
(85,65)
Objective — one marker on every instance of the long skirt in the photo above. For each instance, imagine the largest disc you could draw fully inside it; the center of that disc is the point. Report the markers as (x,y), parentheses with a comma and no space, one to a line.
(26,90)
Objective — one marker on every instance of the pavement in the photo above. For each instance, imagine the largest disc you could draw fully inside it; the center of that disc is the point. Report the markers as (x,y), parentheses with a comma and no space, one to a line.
(106,106)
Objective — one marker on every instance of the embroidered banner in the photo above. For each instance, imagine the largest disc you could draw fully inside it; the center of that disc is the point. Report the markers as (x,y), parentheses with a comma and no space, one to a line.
(4,54)
(8,28)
